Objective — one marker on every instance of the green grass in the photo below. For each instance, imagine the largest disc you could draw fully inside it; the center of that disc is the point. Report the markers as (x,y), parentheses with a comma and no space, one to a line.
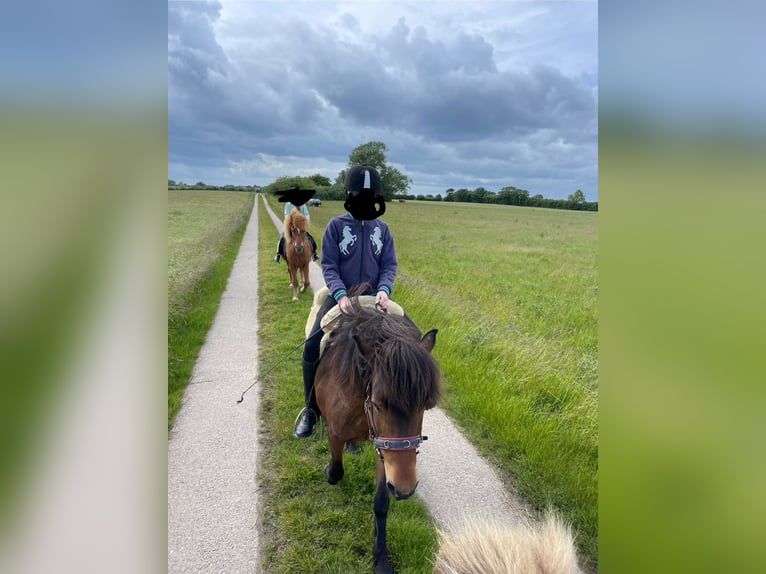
(205,230)
(309,525)
(513,292)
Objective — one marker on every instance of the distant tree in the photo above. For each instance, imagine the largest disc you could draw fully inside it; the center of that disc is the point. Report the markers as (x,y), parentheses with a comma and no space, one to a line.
(510,195)
(461,194)
(320,180)
(482,195)
(577,197)
(171,183)
(373,154)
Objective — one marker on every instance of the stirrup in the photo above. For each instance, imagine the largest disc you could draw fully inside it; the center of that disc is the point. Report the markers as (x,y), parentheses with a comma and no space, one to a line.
(318,423)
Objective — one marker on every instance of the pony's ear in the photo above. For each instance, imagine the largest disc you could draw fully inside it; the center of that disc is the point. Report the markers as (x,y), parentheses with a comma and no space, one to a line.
(429,340)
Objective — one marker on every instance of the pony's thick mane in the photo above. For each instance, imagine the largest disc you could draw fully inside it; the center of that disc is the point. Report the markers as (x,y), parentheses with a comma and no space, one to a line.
(297,219)
(386,351)
(485,547)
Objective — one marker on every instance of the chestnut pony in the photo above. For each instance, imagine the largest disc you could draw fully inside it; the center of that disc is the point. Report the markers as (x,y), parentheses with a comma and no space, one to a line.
(374,381)
(297,251)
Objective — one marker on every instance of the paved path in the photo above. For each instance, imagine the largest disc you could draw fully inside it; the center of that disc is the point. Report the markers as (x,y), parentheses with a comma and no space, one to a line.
(213,448)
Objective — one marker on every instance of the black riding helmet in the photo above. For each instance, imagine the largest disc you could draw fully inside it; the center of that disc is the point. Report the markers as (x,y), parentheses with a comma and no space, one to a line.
(363,192)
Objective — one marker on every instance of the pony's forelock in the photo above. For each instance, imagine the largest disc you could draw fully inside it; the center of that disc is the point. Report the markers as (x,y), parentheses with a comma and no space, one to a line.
(385,350)
(405,375)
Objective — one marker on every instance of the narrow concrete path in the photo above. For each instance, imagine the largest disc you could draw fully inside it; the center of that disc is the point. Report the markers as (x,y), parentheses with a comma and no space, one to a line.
(213,447)
(456,483)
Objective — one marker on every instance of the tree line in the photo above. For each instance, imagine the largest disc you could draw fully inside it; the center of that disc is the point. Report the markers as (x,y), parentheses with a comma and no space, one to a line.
(396,185)
(510,195)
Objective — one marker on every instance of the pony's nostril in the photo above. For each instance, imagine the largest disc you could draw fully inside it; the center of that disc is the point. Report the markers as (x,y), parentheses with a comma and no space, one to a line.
(391,488)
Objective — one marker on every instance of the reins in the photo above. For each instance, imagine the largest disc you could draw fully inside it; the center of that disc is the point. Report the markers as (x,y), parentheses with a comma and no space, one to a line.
(280,361)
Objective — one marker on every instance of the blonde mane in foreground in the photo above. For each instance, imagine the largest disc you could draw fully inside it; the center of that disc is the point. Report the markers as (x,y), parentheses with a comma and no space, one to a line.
(486,547)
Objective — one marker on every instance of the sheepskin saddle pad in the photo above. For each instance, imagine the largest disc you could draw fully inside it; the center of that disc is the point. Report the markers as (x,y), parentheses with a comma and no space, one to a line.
(328,321)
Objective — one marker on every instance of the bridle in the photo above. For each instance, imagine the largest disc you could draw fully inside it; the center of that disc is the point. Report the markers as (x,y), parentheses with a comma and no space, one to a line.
(388,443)
(293,231)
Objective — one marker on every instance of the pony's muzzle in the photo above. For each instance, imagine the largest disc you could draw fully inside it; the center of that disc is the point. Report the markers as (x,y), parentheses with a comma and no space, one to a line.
(398,494)
(299,248)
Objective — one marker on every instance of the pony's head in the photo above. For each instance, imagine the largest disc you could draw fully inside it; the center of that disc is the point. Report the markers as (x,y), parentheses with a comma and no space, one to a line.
(395,373)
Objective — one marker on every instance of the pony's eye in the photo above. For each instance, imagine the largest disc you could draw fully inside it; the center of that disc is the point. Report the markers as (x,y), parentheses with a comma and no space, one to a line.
(377,407)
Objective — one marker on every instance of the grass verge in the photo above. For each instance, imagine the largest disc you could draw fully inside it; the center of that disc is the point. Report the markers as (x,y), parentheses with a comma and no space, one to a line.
(217,235)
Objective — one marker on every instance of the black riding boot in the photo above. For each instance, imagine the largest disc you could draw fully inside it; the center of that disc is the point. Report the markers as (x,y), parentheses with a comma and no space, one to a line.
(280,249)
(314,255)
(308,422)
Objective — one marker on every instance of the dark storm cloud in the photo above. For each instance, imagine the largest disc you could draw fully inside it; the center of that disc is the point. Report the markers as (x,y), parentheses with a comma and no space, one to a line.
(442,89)
(253,91)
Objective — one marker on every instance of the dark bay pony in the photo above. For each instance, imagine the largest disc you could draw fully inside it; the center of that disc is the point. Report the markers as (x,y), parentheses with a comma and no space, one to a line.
(297,251)
(374,381)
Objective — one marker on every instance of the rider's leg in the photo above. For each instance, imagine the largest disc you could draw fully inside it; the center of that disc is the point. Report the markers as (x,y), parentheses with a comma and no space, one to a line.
(314,256)
(310,410)
(280,249)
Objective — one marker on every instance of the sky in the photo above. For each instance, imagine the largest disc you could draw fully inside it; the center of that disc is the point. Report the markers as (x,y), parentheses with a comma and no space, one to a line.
(463,94)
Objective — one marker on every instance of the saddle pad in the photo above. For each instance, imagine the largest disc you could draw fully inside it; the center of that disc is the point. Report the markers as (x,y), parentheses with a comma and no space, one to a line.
(321,294)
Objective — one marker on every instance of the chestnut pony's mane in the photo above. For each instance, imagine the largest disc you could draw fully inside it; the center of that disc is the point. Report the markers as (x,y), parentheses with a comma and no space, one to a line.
(297,219)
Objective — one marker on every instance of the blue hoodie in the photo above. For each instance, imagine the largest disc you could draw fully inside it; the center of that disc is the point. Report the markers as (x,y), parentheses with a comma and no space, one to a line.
(356,252)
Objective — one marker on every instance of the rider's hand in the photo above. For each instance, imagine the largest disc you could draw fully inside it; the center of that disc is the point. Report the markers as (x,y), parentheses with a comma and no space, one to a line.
(345,304)
(381,300)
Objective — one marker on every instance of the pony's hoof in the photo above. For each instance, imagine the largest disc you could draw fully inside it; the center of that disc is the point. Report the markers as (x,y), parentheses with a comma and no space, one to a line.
(328,474)
(295,298)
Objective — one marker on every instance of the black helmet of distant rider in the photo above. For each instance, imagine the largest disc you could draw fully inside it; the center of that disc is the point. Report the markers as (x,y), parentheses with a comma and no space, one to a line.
(364,194)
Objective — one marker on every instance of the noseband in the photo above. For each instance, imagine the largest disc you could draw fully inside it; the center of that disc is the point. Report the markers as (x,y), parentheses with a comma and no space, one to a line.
(388,443)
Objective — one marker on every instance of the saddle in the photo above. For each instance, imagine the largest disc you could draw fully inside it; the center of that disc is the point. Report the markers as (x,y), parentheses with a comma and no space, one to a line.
(328,321)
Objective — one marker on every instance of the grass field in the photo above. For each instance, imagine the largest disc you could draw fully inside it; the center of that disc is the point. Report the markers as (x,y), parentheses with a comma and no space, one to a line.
(205,229)
(513,293)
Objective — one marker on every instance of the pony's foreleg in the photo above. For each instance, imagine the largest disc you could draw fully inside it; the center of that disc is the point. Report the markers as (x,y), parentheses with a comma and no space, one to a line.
(333,470)
(380,506)
(305,282)
(293,275)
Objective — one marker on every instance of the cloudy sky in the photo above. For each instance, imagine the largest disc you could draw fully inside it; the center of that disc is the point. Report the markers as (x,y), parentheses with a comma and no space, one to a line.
(463,94)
